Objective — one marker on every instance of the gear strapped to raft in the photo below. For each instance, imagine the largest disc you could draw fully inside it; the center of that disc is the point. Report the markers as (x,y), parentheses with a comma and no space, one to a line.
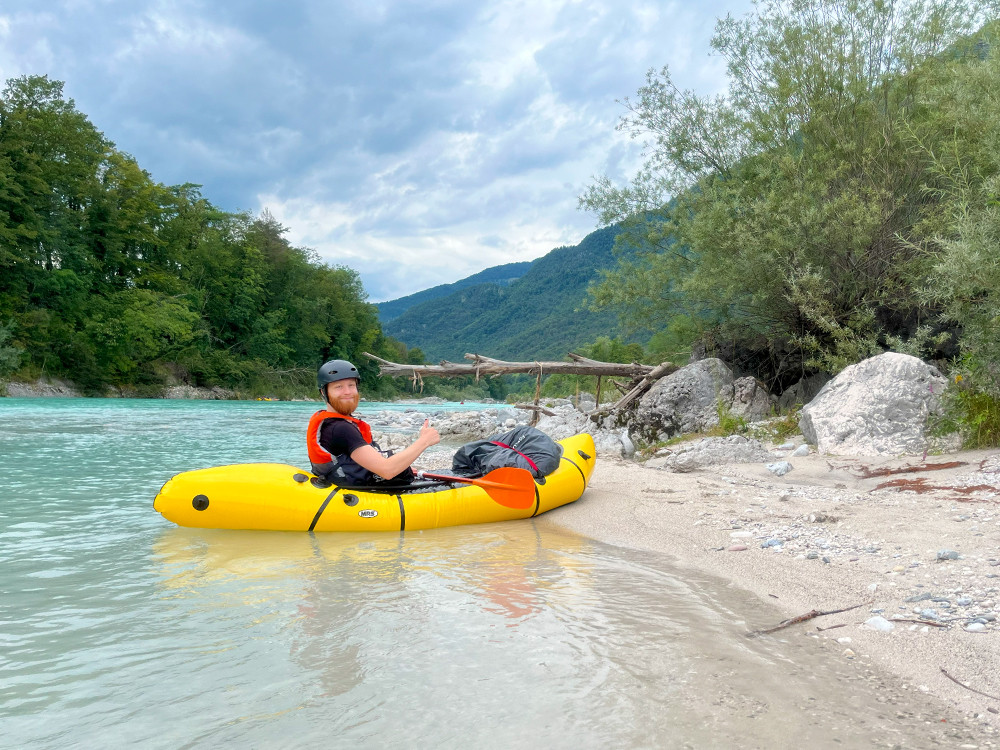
(524,447)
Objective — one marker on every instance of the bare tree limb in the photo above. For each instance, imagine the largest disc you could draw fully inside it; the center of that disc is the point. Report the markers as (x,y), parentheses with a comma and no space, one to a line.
(638,389)
(978,692)
(488,366)
(803,618)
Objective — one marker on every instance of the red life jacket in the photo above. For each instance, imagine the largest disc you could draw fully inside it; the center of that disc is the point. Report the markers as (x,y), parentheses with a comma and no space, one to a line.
(317,453)
(343,469)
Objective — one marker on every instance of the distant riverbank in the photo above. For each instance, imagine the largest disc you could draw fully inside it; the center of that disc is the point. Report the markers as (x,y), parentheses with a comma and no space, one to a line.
(45,388)
(50,388)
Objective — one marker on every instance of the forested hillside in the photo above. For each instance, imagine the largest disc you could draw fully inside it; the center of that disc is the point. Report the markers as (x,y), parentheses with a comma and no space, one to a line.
(539,316)
(499,275)
(108,278)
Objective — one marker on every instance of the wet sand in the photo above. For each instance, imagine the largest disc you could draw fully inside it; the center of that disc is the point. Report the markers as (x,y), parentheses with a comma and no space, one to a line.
(833,533)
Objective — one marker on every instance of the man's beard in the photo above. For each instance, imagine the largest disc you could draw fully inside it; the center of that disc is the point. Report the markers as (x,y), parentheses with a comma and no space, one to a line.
(346,406)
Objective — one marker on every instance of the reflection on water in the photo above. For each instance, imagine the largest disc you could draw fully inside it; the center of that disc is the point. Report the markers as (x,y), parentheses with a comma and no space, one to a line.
(119,629)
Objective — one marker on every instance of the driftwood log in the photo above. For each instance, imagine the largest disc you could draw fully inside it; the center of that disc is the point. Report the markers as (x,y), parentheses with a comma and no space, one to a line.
(644,384)
(488,366)
(642,376)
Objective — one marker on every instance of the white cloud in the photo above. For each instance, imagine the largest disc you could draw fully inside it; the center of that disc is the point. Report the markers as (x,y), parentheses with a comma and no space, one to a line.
(415,142)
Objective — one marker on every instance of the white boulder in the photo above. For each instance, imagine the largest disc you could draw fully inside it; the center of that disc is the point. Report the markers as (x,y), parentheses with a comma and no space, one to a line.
(877,407)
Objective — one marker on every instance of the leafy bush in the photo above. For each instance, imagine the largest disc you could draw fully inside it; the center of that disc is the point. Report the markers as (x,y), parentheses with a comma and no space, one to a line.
(778,428)
(729,423)
(972,406)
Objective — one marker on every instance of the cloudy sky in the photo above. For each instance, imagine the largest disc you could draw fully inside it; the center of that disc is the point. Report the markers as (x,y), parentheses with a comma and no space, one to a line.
(417,142)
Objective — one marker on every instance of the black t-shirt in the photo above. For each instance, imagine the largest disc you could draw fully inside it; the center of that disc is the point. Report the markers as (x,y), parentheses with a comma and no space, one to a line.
(340,437)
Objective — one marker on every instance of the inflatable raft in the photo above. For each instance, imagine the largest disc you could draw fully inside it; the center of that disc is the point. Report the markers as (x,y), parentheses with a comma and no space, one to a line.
(283,498)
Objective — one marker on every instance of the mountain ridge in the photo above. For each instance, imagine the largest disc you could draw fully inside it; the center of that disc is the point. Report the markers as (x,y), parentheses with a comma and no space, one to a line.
(503,275)
(540,315)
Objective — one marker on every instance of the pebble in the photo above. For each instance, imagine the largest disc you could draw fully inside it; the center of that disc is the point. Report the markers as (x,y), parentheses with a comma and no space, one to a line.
(879,623)
(780,468)
(818,517)
(975,627)
(802,450)
(771,543)
(740,534)
(738,548)
(947,554)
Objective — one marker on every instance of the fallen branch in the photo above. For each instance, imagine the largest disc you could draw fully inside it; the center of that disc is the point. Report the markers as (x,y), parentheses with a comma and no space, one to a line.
(488,366)
(637,390)
(977,692)
(802,618)
(920,622)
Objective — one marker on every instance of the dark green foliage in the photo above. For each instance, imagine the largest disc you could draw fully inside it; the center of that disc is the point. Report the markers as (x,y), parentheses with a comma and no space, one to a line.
(539,316)
(10,356)
(499,275)
(108,278)
(803,216)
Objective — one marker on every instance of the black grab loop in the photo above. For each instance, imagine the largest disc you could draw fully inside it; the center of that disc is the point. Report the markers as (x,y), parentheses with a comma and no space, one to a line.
(200,502)
(584,456)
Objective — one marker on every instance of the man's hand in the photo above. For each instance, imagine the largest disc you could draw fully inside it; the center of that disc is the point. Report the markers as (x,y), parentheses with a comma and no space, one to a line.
(428,435)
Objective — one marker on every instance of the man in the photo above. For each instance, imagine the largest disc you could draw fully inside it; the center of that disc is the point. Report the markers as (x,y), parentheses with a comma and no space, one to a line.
(340,445)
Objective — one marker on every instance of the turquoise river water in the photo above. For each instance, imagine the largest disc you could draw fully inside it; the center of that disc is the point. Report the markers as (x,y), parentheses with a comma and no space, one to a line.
(119,629)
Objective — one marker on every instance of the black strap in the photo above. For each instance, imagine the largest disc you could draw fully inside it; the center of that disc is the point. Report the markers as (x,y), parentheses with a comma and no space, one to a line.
(582,475)
(322,508)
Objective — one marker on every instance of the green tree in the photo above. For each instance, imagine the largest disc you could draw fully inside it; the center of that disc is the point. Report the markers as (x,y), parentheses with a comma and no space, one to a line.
(10,355)
(782,215)
(962,141)
(112,278)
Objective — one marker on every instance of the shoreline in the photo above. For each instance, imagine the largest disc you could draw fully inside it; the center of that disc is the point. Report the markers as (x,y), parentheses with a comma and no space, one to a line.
(828,535)
(62,389)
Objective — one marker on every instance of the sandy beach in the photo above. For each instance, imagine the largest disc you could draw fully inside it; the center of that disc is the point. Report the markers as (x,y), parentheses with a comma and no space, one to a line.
(910,541)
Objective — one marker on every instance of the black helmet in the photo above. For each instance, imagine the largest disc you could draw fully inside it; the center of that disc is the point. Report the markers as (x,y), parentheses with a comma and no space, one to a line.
(334,370)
